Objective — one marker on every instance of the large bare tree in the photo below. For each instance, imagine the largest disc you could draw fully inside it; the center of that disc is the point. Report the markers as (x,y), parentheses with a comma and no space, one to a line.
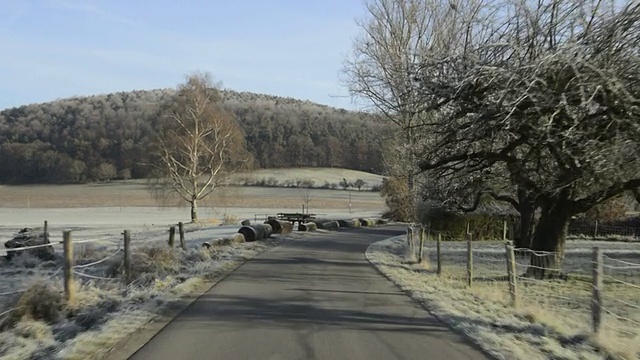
(553,100)
(199,144)
(395,35)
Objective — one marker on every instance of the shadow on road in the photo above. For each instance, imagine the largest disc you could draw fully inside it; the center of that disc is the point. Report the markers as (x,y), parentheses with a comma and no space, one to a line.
(239,311)
(301,261)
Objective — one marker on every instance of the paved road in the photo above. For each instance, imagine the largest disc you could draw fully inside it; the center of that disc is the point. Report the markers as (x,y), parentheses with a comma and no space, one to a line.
(316,298)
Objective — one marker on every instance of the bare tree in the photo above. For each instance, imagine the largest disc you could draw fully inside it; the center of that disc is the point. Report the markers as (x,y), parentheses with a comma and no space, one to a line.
(379,70)
(306,196)
(551,98)
(199,144)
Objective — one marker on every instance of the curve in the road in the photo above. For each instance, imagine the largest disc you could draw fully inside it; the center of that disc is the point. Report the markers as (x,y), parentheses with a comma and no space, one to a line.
(316,298)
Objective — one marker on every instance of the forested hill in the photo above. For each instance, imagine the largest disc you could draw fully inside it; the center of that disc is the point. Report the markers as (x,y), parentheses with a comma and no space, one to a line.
(107,136)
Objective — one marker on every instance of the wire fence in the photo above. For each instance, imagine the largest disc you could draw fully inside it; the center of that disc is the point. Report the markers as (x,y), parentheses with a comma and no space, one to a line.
(84,260)
(76,258)
(582,290)
(597,230)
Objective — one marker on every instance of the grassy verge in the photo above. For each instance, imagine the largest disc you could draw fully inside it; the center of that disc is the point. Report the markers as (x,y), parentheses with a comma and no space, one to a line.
(552,322)
(39,323)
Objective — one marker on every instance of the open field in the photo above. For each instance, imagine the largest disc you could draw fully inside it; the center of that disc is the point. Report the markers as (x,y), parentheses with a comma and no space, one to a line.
(553,320)
(107,310)
(104,210)
(136,194)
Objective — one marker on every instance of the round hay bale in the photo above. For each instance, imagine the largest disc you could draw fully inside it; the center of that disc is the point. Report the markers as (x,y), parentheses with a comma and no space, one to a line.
(279,226)
(237,238)
(256,232)
(265,230)
(310,226)
(356,222)
(367,222)
(249,233)
(319,222)
(245,222)
(343,223)
(329,225)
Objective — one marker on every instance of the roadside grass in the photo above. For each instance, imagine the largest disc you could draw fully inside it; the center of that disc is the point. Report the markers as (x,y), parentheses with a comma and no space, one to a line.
(552,321)
(40,324)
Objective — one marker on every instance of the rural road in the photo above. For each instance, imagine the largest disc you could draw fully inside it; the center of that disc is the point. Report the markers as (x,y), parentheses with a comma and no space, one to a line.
(316,298)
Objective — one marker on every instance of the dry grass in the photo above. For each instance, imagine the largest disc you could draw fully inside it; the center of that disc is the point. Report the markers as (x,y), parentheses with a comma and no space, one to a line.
(553,321)
(41,301)
(230,219)
(44,326)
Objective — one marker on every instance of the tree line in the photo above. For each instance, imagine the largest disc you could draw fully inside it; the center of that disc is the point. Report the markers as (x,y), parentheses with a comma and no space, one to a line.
(102,137)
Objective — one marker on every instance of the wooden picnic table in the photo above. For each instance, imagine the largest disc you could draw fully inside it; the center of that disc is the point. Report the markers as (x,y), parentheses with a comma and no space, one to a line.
(295,217)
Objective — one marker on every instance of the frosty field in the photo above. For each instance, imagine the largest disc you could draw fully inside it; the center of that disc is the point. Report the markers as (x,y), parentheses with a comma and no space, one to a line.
(35,323)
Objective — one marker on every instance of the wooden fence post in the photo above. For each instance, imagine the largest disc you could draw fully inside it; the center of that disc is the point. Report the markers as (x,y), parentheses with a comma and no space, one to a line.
(183,245)
(438,257)
(504,230)
(595,231)
(421,250)
(511,271)
(172,236)
(46,232)
(69,286)
(596,300)
(469,261)
(127,256)
(410,252)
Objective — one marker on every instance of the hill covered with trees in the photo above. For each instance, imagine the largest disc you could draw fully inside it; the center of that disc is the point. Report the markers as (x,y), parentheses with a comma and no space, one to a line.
(104,137)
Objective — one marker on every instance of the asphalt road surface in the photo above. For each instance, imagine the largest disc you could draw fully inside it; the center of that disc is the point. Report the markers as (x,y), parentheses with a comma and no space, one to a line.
(315,298)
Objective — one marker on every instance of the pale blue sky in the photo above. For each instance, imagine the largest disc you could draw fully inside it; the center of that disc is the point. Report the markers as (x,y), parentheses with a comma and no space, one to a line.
(54,49)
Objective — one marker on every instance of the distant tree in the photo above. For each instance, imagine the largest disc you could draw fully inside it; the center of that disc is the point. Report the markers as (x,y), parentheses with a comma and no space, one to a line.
(105,172)
(306,196)
(199,143)
(345,184)
(359,184)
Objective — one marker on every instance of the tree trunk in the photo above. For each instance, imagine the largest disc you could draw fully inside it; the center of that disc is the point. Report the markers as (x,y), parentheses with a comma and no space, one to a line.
(194,210)
(527,211)
(549,239)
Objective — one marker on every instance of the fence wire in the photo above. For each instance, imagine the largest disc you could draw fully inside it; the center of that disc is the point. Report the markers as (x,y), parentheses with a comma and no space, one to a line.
(564,295)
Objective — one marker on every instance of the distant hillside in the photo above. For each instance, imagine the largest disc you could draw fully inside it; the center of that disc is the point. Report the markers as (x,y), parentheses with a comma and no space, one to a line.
(99,137)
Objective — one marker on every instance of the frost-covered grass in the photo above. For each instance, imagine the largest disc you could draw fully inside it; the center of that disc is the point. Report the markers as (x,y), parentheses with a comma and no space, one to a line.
(553,319)
(39,323)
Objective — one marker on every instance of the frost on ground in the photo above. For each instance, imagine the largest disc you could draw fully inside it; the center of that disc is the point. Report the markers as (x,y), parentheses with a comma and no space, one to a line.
(553,319)
(36,322)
